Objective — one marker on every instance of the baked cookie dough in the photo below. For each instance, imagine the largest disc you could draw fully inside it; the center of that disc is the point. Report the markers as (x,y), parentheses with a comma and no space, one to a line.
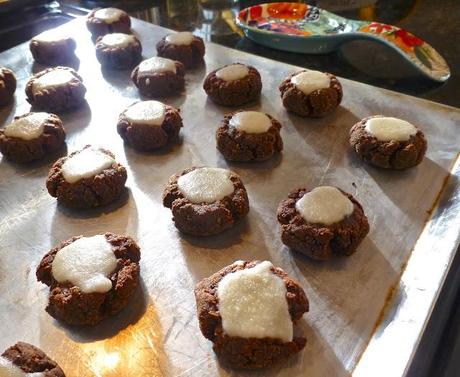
(149,125)
(90,278)
(233,85)
(86,178)
(56,89)
(159,77)
(248,311)
(388,142)
(23,359)
(311,93)
(183,47)
(206,201)
(102,21)
(249,136)
(118,50)
(53,48)
(322,222)
(32,136)
(7,85)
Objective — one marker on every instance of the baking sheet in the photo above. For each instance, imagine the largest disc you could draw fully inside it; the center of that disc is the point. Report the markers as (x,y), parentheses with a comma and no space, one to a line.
(158,334)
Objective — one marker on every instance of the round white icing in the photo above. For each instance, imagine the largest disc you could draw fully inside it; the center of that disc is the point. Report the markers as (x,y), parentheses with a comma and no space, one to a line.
(324,205)
(205,185)
(85,164)
(86,263)
(50,36)
(157,65)
(309,81)
(8,369)
(252,122)
(108,15)
(388,128)
(52,79)
(233,72)
(27,128)
(181,38)
(252,304)
(117,39)
(146,112)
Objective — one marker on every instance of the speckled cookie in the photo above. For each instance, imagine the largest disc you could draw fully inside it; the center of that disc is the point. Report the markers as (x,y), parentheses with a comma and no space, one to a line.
(118,50)
(183,47)
(101,21)
(53,48)
(7,85)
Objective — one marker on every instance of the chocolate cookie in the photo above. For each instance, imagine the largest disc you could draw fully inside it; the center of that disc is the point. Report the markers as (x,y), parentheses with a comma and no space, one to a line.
(26,358)
(159,77)
(32,136)
(86,178)
(183,47)
(101,21)
(7,85)
(311,93)
(248,310)
(149,125)
(321,222)
(249,136)
(206,201)
(387,142)
(118,50)
(53,48)
(90,278)
(56,89)
(233,85)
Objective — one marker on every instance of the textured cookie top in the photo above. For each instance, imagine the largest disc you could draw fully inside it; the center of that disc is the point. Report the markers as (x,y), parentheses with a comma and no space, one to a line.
(8,369)
(157,65)
(252,304)
(117,40)
(182,38)
(50,36)
(206,185)
(388,128)
(108,15)
(233,72)
(324,205)
(87,263)
(146,112)
(28,127)
(252,122)
(85,164)
(309,81)
(52,79)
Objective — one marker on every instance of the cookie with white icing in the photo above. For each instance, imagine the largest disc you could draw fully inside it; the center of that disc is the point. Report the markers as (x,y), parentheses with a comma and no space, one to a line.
(183,47)
(87,178)
(90,278)
(233,85)
(311,93)
(53,48)
(249,136)
(118,50)
(101,21)
(248,310)
(7,85)
(149,125)
(25,360)
(32,136)
(388,142)
(206,201)
(56,89)
(159,77)
(322,222)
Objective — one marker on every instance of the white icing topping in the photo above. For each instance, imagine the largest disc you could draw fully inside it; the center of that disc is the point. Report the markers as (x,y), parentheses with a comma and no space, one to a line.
(86,263)
(388,128)
(252,122)
(108,15)
(85,164)
(309,81)
(8,369)
(324,205)
(157,65)
(27,128)
(182,38)
(54,78)
(233,72)
(146,112)
(205,185)
(252,304)
(117,39)
(50,36)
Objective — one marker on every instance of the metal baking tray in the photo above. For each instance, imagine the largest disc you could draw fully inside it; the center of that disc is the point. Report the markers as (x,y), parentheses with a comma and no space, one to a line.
(368,311)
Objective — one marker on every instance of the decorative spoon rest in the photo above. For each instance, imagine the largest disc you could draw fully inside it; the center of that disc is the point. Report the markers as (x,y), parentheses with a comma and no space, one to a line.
(304,28)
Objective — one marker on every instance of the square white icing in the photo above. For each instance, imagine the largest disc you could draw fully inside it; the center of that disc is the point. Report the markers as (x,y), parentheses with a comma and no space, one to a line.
(252,122)
(52,79)
(146,112)
(233,72)
(27,128)
(117,40)
(389,128)
(157,65)
(309,81)
(181,38)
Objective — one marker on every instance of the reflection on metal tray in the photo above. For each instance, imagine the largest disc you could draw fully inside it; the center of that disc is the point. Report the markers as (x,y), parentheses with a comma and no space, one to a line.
(353,325)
